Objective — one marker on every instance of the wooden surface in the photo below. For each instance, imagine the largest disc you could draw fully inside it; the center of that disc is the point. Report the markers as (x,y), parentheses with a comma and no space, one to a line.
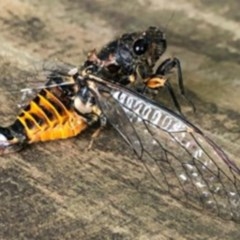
(59,190)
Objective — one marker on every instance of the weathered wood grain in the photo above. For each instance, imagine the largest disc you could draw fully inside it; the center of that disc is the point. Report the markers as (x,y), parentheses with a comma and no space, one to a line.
(59,190)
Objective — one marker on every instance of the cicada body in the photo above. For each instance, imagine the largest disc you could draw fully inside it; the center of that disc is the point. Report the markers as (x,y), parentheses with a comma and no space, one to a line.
(50,115)
(130,57)
(133,60)
(179,156)
(185,162)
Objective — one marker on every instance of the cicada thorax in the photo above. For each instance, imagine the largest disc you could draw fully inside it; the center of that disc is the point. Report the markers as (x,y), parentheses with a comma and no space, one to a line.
(63,108)
(133,60)
(130,56)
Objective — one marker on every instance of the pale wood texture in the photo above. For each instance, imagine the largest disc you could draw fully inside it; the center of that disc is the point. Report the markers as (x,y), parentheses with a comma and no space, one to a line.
(59,190)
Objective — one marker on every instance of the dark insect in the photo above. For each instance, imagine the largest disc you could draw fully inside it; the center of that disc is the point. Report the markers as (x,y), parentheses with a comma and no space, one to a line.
(132,60)
(51,113)
(180,157)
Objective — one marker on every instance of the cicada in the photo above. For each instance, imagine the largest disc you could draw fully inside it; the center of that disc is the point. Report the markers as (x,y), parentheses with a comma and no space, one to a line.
(185,162)
(133,59)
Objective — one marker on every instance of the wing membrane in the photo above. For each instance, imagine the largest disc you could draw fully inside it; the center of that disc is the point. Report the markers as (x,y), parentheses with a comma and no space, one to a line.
(184,161)
(119,120)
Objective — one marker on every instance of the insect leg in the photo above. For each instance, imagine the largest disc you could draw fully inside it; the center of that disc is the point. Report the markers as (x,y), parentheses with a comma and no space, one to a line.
(166,67)
(97,132)
(173,96)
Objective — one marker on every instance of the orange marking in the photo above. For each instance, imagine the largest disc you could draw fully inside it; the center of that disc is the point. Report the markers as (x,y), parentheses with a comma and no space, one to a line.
(60,126)
(56,100)
(38,111)
(49,106)
(28,115)
(73,125)
(155,82)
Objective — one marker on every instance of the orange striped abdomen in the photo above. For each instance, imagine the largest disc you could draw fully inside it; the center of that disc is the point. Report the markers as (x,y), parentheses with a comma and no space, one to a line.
(49,118)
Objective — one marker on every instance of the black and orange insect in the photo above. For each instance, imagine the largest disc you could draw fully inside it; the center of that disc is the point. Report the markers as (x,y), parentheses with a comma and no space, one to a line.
(52,113)
(133,58)
(181,158)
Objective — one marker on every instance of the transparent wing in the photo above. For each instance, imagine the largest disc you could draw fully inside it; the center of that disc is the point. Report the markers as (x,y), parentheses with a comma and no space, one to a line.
(50,75)
(116,115)
(185,162)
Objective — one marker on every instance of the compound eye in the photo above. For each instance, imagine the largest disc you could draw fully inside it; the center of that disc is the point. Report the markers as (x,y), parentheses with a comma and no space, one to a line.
(140,46)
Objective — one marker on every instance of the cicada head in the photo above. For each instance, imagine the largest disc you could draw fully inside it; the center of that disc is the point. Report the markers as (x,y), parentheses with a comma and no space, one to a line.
(128,57)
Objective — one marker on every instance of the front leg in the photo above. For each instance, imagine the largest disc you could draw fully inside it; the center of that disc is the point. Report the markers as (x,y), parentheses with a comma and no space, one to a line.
(159,79)
(166,67)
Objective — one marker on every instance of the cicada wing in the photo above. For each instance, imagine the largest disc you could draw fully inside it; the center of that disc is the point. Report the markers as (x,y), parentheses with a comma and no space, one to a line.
(184,162)
(48,75)
(118,118)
